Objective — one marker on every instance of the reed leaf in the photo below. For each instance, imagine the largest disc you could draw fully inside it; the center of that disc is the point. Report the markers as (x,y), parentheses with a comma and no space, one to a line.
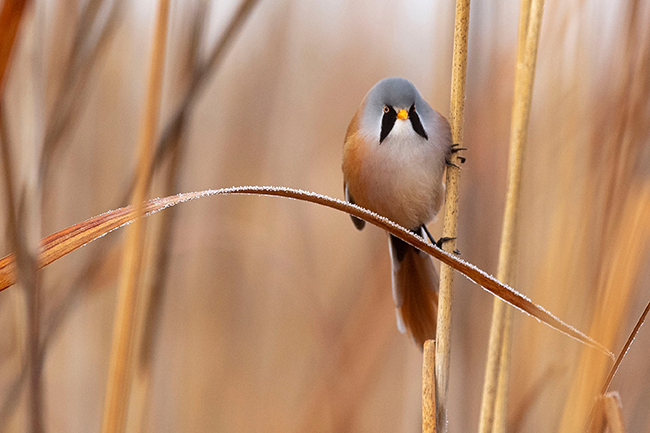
(61,243)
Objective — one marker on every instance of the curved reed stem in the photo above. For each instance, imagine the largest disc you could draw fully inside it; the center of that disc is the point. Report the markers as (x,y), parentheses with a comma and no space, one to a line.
(61,243)
(624,350)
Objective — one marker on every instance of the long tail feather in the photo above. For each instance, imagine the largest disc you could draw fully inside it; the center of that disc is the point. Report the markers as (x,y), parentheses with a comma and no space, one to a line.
(415,291)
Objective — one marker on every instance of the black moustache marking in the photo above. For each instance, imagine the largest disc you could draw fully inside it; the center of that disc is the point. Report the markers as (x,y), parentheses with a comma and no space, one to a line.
(387,123)
(417,125)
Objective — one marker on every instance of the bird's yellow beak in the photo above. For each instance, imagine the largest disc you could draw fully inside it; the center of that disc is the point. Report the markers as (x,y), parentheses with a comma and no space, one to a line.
(402,114)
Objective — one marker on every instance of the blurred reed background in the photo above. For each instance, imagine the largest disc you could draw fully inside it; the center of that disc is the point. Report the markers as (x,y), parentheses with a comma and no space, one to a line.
(276,315)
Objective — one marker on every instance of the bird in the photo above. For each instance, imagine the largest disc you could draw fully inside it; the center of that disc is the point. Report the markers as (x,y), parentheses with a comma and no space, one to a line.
(395,153)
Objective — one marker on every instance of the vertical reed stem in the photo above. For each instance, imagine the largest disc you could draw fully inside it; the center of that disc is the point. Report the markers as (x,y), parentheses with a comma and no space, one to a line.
(450,225)
(429,387)
(10,17)
(154,295)
(493,407)
(119,375)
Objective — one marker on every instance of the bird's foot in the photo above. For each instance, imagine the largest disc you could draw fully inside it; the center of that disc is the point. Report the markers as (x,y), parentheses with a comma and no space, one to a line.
(440,242)
(454,149)
(451,164)
(443,240)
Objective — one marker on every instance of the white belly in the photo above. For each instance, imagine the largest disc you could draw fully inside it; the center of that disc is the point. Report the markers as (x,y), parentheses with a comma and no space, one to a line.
(402,177)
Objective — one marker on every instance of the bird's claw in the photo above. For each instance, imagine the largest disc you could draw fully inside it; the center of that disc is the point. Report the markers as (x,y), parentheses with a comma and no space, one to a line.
(454,149)
(451,164)
(443,240)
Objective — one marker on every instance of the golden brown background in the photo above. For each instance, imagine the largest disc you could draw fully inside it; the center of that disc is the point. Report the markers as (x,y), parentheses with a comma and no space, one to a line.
(276,315)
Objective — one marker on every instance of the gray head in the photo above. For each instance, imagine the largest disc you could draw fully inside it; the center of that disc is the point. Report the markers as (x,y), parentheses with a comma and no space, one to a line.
(396,98)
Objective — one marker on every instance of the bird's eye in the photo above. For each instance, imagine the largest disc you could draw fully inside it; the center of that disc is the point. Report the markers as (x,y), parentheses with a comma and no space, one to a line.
(387,122)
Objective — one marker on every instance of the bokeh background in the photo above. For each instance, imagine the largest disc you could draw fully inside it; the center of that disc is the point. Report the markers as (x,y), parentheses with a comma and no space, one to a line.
(275,315)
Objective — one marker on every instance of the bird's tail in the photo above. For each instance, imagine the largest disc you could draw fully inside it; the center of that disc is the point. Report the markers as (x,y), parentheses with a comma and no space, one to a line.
(415,291)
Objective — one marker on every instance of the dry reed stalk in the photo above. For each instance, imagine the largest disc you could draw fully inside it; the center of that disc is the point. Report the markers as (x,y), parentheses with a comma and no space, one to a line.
(26,258)
(119,375)
(624,350)
(153,295)
(450,223)
(598,423)
(172,127)
(607,414)
(625,258)
(66,241)
(160,260)
(53,324)
(7,168)
(200,77)
(170,142)
(79,66)
(10,17)
(164,146)
(500,410)
(202,73)
(27,273)
(501,397)
(429,387)
(493,414)
(597,409)
(613,408)
(13,234)
(590,192)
